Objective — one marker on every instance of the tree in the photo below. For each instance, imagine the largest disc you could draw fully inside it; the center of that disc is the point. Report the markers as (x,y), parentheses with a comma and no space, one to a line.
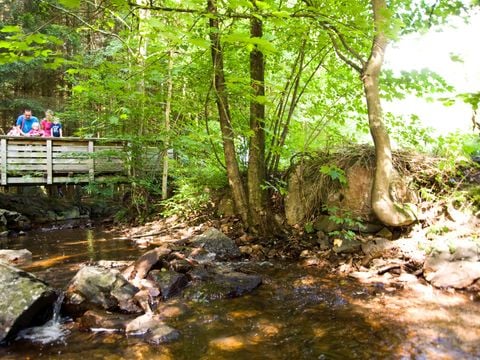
(384,205)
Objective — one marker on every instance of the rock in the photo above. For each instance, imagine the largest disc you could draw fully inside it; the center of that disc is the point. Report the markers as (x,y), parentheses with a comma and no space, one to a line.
(142,266)
(453,264)
(181,265)
(95,287)
(161,334)
(325,224)
(24,301)
(13,220)
(410,249)
(19,257)
(214,241)
(225,207)
(346,245)
(172,309)
(378,247)
(153,328)
(323,241)
(458,275)
(385,233)
(170,282)
(101,320)
(216,286)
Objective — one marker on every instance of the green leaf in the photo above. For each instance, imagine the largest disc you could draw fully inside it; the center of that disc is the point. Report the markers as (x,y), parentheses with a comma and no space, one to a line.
(71,4)
(262,5)
(281,14)
(11,29)
(5,44)
(202,43)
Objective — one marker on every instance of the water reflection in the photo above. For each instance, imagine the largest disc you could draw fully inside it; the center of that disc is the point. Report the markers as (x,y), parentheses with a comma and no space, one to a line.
(57,254)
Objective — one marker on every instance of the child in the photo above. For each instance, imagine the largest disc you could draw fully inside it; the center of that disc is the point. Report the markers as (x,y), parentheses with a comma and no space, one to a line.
(14,131)
(35,131)
(46,123)
(56,128)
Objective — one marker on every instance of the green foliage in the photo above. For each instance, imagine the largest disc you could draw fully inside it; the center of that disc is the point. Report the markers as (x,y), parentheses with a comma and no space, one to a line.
(421,83)
(335,173)
(343,234)
(408,132)
(114,64)
(437,229)
(188,201)
(192,190)
(344,218)
(456,148)
(309,229)
(277,186)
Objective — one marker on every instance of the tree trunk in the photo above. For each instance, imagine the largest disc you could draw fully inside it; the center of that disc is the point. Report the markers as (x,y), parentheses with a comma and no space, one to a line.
(166,144)
(233,171)
(389,212)
(256,154)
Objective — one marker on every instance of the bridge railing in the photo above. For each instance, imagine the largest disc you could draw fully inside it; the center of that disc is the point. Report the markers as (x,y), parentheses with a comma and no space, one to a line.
(29,160)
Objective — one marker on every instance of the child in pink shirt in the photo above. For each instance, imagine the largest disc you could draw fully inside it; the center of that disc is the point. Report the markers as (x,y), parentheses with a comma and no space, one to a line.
(35,131)
(46,123)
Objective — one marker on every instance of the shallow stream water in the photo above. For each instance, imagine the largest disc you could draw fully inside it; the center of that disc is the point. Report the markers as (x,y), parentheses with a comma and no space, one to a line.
(298,312)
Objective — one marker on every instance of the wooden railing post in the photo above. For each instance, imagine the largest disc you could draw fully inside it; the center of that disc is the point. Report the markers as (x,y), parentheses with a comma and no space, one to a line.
(91,170)
(49,162)
(3,151)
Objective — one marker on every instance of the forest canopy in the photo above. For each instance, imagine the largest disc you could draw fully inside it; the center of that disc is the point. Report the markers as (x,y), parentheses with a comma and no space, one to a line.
(236,88)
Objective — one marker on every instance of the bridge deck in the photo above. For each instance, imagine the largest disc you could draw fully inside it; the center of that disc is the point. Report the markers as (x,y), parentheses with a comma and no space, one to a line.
(30,161)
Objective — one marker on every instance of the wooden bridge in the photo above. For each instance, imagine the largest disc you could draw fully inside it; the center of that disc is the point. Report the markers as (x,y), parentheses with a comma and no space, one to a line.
(30,161)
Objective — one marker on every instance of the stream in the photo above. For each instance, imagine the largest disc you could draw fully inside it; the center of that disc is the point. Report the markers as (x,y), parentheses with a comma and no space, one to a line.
(299,312)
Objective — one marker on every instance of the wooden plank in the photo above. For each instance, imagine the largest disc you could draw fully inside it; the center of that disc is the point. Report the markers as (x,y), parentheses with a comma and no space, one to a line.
(71,168)
(76,179)
(73,149)
(27,148)
(28,167)
(19,161)
(26,180)
(3,157)
(65,161)
(27,155)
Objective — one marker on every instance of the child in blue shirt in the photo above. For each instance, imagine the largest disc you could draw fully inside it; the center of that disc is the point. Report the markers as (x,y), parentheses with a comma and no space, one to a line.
(56,128)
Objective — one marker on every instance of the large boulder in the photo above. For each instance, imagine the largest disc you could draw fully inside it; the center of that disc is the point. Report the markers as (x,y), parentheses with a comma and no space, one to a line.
(16,257)
(215,284)
(310,194)
(99,288)
(24,301)
(216,242)
(13,220)
(453,265)
(170,282)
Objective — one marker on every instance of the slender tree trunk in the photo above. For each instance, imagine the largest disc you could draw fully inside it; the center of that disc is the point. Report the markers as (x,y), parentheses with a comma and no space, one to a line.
(383,205)
(143,15)
(256,159)
(233,171)
(166,144)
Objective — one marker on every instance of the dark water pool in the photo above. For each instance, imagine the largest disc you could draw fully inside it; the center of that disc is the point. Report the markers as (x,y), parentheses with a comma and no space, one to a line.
(298,312)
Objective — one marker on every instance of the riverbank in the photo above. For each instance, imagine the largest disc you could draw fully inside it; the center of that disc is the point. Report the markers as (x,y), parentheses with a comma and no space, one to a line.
(444,253)
(441,250)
